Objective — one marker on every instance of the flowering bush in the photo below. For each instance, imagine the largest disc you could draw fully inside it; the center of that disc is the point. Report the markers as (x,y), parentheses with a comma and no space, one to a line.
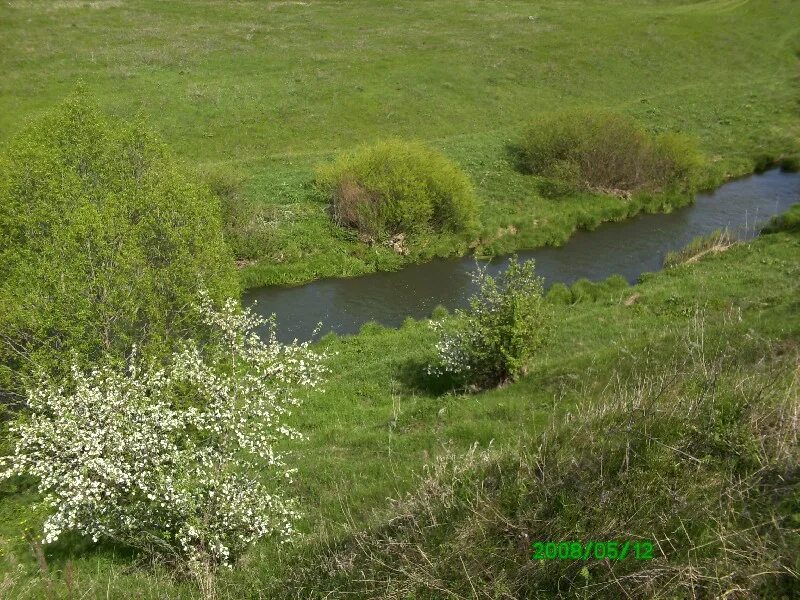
(492,341)
(179,461)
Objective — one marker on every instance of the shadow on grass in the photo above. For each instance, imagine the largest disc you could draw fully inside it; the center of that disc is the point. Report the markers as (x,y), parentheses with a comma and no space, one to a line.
(516,157)
(73,546)
(414,377)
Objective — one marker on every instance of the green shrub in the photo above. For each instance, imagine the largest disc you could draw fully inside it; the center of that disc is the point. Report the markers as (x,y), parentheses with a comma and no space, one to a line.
(615,283)
(611,287)
(559,293)
(494,339)
(440,312)
(398,187)
(104,242)
(584,290)
(605,152)
(371,328)
(678,161)
(563,179)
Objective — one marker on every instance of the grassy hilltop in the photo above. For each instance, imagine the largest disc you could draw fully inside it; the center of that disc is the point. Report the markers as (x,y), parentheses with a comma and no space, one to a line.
(255,94)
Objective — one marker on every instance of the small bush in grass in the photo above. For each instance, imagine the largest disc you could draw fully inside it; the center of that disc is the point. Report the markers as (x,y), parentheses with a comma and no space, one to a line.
(611,288)
(615,283)
(559,293)
(492,341)
(398,187)
(606,152)
(584,290)
(439,312)
(244,219)
(180,462)
(788,221)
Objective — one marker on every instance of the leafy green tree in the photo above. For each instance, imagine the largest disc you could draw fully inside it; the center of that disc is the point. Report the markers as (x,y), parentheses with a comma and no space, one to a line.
(104,241)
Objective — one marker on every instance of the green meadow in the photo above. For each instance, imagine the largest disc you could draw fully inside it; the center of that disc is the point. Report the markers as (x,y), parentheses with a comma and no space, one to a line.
(253,96)
(259,93)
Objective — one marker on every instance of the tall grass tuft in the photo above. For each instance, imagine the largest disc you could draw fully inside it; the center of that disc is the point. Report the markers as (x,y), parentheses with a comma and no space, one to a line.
(717,241)
(788,221)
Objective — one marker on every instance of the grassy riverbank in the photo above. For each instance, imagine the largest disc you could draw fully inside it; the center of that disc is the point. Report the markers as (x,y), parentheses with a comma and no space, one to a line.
(381,420)
(262,92)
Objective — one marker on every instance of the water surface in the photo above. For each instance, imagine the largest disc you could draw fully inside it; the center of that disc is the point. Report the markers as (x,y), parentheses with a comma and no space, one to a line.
(630,248)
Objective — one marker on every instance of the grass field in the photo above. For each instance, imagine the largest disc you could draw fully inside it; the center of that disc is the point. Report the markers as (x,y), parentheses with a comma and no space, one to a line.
(380,419)
(259,93)
(266,90)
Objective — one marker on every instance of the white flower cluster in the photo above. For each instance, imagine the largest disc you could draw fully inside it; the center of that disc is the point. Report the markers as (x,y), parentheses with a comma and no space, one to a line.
(452,349)
(181,460)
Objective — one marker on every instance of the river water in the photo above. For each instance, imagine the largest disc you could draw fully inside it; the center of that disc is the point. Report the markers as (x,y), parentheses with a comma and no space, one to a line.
(630,248)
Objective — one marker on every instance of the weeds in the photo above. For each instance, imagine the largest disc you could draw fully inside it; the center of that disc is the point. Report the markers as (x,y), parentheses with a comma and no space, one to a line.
(718,241)
(700,456)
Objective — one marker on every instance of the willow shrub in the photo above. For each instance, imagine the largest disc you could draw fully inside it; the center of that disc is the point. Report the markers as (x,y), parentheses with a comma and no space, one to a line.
(607,152)
(398,187)
(104,242)
(492,341)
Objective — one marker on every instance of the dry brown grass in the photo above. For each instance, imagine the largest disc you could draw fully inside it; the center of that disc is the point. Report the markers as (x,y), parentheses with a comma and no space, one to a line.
(355,206)
(702,458)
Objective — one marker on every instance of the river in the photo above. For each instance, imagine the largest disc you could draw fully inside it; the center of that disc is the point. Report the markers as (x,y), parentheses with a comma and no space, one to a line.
(630,248)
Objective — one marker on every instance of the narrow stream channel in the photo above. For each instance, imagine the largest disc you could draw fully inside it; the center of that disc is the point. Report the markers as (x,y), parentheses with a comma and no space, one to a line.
(629,248)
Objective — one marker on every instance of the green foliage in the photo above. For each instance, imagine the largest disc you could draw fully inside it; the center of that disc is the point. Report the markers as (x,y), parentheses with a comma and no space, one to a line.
(584,290)
(606,152)
(439,312)
(398,187)
(790,164)
(104,241)
(677,162)
(245,222)
(788,221)
(615,283)
(559,293)
(493,340)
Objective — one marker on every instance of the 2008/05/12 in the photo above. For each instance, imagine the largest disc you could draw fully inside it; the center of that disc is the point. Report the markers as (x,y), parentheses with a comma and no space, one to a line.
(573,550)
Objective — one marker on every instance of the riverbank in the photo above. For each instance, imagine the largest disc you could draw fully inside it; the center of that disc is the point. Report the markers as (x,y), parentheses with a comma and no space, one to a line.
(381,420)
(515,216)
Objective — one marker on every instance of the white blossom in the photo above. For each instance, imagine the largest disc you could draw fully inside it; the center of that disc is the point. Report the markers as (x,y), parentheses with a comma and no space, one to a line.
(180,461)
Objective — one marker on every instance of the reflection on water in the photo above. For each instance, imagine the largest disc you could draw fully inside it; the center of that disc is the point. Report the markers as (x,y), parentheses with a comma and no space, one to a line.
(629,248)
